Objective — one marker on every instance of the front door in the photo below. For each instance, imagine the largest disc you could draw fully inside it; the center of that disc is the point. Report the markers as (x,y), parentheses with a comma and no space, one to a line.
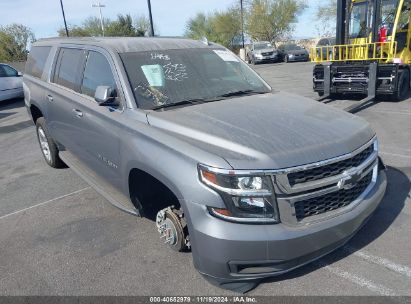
(98,128)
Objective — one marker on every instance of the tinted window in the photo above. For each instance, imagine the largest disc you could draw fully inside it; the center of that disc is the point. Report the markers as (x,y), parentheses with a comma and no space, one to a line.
(68,68)
(37,60)
(9,71)
(97,73)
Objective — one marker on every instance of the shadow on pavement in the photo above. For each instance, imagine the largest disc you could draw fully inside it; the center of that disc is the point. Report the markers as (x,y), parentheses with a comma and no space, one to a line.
(398,190)
(11,104)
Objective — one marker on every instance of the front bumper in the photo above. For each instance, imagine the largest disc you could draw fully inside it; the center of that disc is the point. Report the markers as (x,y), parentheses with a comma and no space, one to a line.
(266,58)
(229,252)
(298,58)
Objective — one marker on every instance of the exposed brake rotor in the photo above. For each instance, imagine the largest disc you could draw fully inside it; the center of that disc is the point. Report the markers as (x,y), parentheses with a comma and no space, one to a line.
(173,228)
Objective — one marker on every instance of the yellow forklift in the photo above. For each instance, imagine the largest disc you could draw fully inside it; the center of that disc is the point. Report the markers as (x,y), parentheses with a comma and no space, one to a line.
(372,55)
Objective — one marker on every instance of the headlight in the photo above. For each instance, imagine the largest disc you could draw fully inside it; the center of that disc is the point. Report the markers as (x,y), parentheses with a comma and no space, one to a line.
(248,198)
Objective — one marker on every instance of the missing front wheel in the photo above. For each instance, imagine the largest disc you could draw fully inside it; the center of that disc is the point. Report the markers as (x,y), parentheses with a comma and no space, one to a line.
(173,230)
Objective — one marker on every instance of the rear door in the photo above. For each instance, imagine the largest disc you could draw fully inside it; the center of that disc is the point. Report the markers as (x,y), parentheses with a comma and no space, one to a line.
(62,96)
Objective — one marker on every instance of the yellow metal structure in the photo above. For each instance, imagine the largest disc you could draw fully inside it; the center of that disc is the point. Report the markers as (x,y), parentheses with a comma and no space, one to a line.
(362,49)
(383,52)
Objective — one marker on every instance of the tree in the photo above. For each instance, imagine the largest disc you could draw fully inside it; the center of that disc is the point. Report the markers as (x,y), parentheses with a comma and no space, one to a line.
(227,26)
(142,26)
(123,27)
(199,26)
(90,27)
(272,20)
(326,17)
(14,41)
(220,27)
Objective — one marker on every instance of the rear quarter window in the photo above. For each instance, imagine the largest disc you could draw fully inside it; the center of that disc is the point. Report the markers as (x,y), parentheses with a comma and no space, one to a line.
(36,60)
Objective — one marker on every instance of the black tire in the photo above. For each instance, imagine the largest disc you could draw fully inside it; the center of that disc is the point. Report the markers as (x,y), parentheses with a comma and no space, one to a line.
(253,61)
(248,59)
(404,86)
(43,136)
(286,59)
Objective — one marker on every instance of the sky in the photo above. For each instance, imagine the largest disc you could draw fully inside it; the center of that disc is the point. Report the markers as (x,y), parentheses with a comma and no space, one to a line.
(170,16)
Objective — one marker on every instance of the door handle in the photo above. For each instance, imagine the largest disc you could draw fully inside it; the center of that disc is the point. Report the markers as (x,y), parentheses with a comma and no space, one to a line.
(78,113)
(50,98)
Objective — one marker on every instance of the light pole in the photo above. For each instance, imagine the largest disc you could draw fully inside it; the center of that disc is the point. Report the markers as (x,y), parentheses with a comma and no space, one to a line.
(151,18)
(64,18)
(242,21)
(99,5)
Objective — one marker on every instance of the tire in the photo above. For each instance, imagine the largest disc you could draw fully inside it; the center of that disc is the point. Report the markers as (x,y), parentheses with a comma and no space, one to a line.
(286,60)
(47,145)
(248,59)
(404,86)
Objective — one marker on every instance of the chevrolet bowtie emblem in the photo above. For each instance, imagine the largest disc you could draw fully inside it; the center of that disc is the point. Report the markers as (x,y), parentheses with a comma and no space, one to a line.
(348,180)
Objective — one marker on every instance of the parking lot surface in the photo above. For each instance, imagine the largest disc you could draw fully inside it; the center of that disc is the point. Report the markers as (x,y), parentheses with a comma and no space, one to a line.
(60,237)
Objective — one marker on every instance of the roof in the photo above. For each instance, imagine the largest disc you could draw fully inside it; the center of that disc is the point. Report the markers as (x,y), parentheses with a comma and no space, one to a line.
(129,44)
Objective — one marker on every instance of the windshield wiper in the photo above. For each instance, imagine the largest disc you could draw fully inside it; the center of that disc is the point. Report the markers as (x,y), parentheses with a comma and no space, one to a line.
(241,93)
(185,102)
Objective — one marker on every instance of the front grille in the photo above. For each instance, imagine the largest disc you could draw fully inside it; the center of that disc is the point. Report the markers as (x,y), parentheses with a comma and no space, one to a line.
(329,170)
(267,54)
(331,201)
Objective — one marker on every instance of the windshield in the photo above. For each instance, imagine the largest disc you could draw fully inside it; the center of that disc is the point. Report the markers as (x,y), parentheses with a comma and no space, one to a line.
(358,22)
(166,77)
(261,46)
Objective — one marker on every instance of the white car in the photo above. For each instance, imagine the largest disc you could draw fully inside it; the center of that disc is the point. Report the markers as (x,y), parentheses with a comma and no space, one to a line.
(11,82)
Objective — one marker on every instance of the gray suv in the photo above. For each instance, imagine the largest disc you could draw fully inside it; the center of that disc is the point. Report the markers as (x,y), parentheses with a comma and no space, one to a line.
(253,181)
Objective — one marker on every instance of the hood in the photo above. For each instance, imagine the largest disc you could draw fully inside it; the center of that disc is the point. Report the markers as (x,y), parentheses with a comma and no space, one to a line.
(265,51)
(270,131)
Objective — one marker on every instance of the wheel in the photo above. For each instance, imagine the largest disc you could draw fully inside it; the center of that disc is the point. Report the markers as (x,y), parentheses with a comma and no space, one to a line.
(404,86)
(253,61)
(248,59)
(286,59)
(320,94)
(47,145)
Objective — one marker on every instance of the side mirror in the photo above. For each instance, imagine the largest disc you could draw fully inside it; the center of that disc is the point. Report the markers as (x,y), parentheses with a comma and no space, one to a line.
(19,74)
(105,96)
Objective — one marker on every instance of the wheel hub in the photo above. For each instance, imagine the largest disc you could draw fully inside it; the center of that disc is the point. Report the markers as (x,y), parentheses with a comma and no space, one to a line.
(44,144)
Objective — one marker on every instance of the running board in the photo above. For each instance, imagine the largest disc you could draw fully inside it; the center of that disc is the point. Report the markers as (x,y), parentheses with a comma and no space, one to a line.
(115,197)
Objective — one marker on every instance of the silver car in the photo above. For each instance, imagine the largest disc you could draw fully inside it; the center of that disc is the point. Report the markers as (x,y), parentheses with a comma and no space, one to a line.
(262,51)
(11,83)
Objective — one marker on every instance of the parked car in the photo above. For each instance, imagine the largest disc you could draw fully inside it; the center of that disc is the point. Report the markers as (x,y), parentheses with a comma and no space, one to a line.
(256,182)
(293,52)
(262,51)
(11,83)
(326,49)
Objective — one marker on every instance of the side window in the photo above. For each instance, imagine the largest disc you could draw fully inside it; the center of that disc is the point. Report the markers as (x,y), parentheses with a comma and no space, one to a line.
(2,71)
(68,66)
(96,73)
(37,60)
(10,72)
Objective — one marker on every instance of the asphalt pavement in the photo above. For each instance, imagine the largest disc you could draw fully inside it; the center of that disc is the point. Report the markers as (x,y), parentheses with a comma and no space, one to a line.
(60,237)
